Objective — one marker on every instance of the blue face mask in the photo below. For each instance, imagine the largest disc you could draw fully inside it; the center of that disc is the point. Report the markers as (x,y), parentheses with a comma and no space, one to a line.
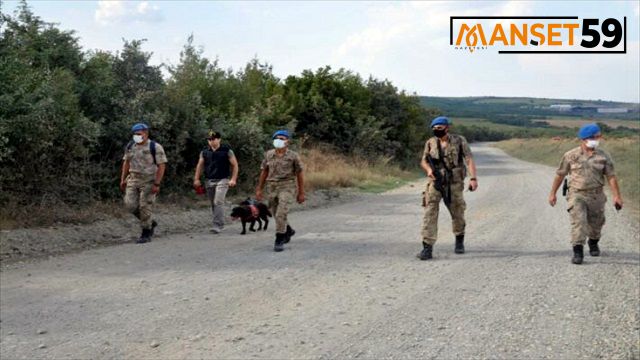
(279,143)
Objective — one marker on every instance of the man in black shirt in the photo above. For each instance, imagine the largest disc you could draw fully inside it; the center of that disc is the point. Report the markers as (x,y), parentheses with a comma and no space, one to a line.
(219,163)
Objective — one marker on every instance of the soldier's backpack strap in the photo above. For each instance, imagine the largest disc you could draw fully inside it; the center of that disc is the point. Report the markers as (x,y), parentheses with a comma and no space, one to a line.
(152,148)
(428,149)
(460,159)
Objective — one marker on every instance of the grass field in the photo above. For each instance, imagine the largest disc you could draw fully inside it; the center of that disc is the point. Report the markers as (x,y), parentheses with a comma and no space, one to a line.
(573,122)
(558,121)
(483,123)
(625,153)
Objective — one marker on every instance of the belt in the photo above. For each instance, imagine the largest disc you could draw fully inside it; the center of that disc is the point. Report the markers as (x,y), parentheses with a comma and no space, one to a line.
(280,181)
(592,190)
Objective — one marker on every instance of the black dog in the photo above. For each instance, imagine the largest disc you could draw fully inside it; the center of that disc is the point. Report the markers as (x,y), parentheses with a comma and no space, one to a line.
(251,211)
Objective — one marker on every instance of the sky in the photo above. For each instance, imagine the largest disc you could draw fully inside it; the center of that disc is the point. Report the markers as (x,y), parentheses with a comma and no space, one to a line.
(404,42)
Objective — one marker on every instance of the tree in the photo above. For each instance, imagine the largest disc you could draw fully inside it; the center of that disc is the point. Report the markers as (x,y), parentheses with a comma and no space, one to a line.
(44,137)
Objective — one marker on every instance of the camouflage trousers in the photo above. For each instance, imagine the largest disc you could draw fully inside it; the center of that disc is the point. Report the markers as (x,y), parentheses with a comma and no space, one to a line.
(138,198)
(217,191)
(586,211)
(281,195)
(432,208)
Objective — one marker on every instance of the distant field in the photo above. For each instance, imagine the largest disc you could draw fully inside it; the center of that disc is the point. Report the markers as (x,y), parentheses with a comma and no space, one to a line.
(524,101)
(572,122)
(625,153)
(510,131)
(529,108)
(481,123)
(528,101)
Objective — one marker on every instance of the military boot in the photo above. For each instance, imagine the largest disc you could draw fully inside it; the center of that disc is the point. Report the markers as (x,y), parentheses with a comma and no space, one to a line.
(578,254)
(290,232)
(145,237)
(426,252)
(153,227)
(594,250)
(459,244)
(279,244)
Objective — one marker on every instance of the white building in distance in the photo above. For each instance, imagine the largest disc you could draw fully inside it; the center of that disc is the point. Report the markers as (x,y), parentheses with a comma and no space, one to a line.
(561,107)
(612,110)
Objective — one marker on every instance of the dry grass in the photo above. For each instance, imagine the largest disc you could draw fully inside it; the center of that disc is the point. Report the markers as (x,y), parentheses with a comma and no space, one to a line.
(325,169)
(625,153)
(577,122)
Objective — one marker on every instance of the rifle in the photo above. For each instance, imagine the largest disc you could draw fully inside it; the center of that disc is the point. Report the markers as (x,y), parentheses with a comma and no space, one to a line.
(565,187)
(442,183)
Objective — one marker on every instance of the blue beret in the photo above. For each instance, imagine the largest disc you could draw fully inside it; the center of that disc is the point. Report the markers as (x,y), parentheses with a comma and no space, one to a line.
(440,120)
(587,131)
(139,127)
(284,133)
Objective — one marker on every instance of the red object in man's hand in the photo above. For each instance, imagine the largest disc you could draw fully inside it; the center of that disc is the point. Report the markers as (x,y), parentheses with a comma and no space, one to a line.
(200,190)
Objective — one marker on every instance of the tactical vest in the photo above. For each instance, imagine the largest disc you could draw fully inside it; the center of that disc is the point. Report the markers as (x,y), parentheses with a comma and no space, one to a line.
(440,160)
(216,163)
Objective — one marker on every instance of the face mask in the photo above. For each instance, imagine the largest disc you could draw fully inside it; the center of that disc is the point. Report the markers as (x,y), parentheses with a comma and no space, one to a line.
(439,133)
(592,144)
(138,139)
(278,143)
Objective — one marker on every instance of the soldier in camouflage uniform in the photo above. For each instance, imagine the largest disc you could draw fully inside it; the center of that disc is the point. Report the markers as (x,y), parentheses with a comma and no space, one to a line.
(447,153)
(143,167)
(588,168)
(281,170)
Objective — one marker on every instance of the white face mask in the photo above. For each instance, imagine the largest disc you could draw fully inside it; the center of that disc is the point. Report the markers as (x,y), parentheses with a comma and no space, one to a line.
(279,143)
(592,144)
(138,139)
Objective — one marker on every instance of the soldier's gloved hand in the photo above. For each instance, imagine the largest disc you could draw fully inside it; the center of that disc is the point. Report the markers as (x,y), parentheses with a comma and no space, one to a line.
(553,199)
(123,185)
(300,197)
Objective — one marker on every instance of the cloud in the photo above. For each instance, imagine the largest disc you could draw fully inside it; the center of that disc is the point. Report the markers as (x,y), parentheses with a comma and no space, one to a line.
(118,11)
(579,74)
(409,44)
(391,26)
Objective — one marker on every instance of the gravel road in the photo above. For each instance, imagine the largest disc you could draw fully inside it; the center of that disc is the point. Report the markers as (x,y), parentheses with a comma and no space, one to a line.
(348,286)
